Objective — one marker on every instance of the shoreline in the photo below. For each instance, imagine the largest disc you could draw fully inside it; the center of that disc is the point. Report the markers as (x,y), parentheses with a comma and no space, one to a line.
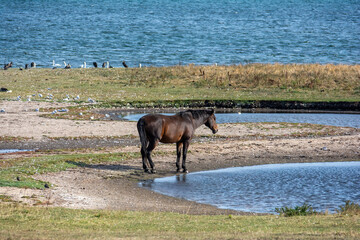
(114,185)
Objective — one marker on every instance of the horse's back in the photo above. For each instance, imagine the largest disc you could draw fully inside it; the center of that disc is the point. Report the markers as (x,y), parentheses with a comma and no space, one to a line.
(167,129)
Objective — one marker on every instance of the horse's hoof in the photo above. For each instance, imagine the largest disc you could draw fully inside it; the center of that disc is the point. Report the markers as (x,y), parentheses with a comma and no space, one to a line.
(147,171)
(178,170)
(185,171)
(153,171)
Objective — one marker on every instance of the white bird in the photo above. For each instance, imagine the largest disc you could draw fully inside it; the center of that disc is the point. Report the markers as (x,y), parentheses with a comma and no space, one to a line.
(56,65)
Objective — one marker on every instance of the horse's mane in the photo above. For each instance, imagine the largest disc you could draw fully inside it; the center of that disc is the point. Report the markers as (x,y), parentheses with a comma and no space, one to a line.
(196,114)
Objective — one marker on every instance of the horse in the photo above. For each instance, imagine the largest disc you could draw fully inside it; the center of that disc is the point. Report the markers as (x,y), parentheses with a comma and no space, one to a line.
(178,128)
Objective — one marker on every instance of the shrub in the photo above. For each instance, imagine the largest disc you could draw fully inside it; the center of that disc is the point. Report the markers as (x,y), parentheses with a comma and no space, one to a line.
(350,208)
(303,210)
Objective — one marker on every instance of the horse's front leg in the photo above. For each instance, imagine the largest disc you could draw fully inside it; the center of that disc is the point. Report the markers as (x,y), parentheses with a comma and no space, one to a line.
(178,155)
(185,148)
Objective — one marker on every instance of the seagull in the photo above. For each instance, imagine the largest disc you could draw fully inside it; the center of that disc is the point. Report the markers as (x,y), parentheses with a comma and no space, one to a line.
(124,64)
(33,64)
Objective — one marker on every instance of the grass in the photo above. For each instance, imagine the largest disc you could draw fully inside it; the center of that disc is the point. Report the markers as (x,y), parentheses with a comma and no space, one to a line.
(21,222)
(350,208)
(152,85)
(24,168)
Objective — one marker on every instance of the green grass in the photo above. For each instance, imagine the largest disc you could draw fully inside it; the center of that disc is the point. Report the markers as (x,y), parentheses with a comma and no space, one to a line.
(20,222)
(25,168)
(275,82)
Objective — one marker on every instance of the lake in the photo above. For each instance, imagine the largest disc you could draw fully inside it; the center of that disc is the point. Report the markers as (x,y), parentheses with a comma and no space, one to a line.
(261,189)
(164,32)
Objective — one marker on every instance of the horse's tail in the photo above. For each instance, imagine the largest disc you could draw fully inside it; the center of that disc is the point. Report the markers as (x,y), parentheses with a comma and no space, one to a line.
(142,135)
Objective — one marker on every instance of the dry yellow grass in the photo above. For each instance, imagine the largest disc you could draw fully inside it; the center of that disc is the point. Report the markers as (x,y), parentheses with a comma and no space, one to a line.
(301,82)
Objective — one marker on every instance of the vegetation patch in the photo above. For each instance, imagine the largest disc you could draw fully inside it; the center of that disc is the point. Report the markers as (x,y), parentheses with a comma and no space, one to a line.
(19,173)
(18,221)
(191,85)
(350,208)
(304,210)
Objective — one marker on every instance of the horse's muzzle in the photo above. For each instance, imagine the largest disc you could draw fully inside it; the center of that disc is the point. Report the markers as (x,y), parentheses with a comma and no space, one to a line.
(215,131)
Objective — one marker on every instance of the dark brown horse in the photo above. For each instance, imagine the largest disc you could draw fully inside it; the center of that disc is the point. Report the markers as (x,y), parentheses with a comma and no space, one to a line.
(178,128)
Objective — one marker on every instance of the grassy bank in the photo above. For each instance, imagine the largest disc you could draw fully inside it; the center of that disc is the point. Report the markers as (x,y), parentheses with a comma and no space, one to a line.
(18,172)
(253,82)
(19,222)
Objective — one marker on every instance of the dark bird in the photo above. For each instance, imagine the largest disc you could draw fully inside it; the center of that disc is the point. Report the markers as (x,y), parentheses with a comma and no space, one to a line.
(95,64)
(7,66)
(124,64)
(18,178)
(26,66)
(68,66)
(3,89)
(46,185)
(104,65)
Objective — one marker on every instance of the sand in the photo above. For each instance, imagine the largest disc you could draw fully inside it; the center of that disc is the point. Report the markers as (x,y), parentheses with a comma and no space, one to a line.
(114,186)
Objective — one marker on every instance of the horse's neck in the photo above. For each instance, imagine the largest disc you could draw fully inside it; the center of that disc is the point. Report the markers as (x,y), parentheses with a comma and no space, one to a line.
(199,121)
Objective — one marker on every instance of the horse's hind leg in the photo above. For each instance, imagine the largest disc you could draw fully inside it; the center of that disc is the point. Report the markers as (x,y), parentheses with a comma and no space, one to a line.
(178,155)
(144,160)
(149,149)
(185,148)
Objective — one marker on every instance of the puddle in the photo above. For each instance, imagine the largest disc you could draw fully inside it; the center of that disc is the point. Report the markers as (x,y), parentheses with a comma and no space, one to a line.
(4,151)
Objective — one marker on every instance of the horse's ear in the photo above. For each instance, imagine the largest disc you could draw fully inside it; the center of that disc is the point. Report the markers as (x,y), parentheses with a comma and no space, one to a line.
(211,111)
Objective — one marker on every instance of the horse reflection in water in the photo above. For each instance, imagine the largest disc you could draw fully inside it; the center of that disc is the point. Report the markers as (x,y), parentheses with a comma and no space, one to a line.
(178,128)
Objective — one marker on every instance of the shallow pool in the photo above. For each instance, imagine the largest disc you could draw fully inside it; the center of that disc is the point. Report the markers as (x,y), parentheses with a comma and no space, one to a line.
(261,189)
(14,150)
(332,119)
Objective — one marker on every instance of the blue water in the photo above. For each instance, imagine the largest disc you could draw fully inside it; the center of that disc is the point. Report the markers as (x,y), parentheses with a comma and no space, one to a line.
(340,120)
(14,150)
(324,186)
(164,32)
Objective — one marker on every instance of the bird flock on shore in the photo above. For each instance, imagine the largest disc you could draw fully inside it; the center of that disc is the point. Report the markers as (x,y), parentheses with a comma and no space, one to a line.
(65,66)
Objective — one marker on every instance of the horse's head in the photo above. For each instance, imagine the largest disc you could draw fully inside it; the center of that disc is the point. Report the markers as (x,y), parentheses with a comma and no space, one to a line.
(211,121)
